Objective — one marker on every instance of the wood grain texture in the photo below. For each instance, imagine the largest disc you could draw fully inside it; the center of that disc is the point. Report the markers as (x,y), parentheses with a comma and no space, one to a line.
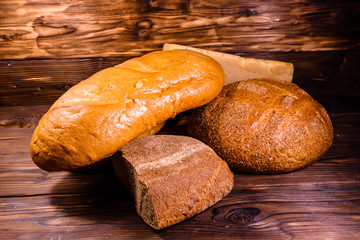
(48,46)
(319,202)
(331,77)
(34,82)
(22,116)
(89,28)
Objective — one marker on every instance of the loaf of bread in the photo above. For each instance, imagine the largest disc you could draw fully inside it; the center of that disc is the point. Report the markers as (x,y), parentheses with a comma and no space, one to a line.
(264,127)
(171,178)
(238,68)
(96,117)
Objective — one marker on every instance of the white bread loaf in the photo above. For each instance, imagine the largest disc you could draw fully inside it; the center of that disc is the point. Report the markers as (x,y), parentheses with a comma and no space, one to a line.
(96,117)
(171,178)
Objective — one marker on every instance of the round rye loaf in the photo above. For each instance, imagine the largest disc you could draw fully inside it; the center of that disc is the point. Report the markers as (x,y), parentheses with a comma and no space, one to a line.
(264,127)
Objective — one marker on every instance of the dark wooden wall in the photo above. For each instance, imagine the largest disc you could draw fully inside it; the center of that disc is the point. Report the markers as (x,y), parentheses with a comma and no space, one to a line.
(48,46)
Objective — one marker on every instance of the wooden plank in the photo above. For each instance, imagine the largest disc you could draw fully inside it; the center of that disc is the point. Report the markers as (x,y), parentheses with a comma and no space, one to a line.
(36,82)
(22,116)
(319,202)
(68,29)
(110,215)
(330,77)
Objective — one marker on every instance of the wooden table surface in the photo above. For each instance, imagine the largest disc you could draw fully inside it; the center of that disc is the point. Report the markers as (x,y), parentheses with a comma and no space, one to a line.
(320,202)
(48,46)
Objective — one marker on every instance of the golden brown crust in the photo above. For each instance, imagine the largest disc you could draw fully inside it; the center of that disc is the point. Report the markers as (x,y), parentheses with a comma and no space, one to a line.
(96,117)
(263,126)
(172,178)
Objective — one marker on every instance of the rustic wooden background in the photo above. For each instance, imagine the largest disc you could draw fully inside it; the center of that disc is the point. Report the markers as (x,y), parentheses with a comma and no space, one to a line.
(47,46)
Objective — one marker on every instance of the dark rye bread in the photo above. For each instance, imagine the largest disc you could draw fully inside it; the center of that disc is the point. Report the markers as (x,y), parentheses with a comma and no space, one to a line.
(263,126)
(171,178)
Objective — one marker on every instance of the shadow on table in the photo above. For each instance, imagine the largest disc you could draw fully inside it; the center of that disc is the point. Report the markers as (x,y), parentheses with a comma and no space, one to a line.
(95,202)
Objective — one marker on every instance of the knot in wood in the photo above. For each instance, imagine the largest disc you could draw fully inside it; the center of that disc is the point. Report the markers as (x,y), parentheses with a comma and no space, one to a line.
(143,24)
(143,28)
(143,33)
(50,28)
(242,216)
(154,3)
(39,22)
(248,12)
